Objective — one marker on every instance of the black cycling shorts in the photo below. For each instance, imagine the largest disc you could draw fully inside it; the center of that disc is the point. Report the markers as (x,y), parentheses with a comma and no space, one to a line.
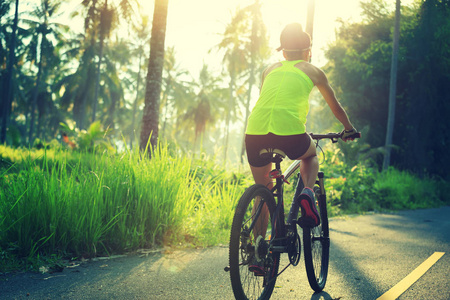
(293,145)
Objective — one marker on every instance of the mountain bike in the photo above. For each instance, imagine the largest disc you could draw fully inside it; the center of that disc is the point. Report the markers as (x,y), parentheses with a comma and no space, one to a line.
(248,246)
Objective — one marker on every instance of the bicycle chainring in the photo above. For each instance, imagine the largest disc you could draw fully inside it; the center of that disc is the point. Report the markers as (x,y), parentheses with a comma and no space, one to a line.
(294,248)
(262,248)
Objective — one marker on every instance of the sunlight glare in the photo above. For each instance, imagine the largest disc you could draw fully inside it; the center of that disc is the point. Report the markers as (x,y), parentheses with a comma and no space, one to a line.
(194,27)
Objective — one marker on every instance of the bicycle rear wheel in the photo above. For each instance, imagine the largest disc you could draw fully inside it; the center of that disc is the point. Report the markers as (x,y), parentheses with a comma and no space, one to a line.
(316,243)
(249,245)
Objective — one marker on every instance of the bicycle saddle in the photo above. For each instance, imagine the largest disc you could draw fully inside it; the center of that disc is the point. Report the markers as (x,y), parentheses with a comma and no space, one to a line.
(273,153)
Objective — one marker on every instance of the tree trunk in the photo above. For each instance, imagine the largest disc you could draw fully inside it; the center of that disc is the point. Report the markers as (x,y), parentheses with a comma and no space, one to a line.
(247,106)
(166,104)
(150,118)
(133,123)
(251,81)
(35,95)
(227,124)
(310,18)
(97,80)
(100,57)
(7,83)
(392,89)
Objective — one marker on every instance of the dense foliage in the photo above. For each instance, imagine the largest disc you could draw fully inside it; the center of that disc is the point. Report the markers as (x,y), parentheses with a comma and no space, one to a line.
(360,66)
(51,73)
(62,76)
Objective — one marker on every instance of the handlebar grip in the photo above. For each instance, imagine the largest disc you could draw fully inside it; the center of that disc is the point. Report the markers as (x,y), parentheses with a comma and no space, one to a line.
(356,135)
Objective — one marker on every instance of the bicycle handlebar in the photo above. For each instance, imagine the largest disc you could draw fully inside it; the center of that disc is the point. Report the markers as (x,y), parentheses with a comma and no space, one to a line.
(333,136)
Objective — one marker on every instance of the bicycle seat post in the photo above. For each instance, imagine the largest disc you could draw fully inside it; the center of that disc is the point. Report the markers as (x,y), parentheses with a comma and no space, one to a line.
(277,159)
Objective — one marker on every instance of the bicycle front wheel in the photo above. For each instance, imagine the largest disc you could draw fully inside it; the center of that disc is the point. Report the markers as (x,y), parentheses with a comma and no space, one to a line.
(253,267)
(316,243)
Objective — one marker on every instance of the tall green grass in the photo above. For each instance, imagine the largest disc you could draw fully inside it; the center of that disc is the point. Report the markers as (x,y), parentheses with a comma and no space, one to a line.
(363,188)
(83,204)
(404,190)
(89,204)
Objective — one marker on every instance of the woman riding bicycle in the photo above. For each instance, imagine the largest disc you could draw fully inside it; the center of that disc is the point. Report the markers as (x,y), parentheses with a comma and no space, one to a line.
(278,119)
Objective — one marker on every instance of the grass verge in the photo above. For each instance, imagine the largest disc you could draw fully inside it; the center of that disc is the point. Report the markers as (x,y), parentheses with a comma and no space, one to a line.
(56,204)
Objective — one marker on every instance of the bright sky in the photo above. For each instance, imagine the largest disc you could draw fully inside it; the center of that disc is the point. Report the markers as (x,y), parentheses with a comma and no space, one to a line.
(195,26)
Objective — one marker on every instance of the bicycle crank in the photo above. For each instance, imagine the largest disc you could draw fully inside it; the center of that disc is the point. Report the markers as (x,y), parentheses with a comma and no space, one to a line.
(294,248)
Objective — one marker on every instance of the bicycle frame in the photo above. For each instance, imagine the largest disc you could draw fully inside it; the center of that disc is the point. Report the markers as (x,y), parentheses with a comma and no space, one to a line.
(280,179)
(280,242)
(277,190)
(291,169)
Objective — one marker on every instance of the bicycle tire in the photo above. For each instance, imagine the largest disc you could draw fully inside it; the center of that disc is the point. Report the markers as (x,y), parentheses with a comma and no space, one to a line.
(316,247)
(245,284)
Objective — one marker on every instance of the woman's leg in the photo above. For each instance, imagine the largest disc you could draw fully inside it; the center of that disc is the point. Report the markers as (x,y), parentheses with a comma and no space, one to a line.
(309,166)
(309,169)
(261,176)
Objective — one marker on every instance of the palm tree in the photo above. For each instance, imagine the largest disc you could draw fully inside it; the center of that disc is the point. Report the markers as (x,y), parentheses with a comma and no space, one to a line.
(235,60)
(199,113)
(99,21)
(7,81)
(174,91)
(310,18)
(150,118)
(392,89)
(107,16)
(112,92)
(142,40)
(81,85)
(44,31)
(204,107)
(258,49)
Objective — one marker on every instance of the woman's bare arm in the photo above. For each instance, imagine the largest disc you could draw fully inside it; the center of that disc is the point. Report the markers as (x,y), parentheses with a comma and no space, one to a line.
(328,94)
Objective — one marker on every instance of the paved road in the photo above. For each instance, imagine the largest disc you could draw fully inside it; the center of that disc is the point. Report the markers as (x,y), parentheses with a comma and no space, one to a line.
(369,255)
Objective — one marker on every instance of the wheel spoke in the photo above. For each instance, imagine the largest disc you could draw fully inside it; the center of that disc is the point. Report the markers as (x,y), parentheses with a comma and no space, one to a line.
(248,225)
(316,245)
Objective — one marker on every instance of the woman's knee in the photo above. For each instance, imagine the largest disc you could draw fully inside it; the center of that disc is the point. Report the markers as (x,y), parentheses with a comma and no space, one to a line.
(310,153)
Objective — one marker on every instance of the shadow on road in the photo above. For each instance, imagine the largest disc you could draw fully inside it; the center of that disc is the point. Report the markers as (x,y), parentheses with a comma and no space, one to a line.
(356,279)
(321,296)
(370,254)
(187,274)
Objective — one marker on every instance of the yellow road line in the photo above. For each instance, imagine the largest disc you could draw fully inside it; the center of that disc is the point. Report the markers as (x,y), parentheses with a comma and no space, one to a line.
(406,282)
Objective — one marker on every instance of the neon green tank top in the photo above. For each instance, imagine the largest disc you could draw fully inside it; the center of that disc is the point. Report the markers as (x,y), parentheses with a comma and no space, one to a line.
(283,104)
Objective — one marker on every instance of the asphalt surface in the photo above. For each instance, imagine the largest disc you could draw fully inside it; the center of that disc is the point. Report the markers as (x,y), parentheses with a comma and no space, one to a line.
(369,255)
